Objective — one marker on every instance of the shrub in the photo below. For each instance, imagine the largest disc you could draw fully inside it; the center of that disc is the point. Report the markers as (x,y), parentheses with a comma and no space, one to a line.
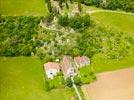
(79,22)
(63,20)
(76,22)
(69,82)
(47,87)
(49,18)
(77,80)
(87,2)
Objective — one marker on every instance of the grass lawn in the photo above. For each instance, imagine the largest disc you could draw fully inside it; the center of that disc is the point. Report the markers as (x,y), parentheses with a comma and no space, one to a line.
(23,7)
(116,21)
(21,78)
(58,81)
(101,64)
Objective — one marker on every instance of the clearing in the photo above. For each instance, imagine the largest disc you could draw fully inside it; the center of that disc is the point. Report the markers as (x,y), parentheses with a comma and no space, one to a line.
(116,85)
(23,7)
(21,78)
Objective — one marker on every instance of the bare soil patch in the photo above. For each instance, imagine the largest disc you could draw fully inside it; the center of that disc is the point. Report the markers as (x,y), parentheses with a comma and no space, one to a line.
(115,85)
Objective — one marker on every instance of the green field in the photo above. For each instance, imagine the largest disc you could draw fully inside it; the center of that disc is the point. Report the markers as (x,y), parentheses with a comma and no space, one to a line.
(116,21)
(23,7)
(101,64)
(21,78)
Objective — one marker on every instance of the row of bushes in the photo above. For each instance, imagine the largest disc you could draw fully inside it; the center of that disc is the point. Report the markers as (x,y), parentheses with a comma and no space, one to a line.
(76,22)
(126,5)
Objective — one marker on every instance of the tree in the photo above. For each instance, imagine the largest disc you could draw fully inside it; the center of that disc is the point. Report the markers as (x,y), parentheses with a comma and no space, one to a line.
(79,6)
(63,20)
(76,52)
(49,6)
(67,6)
(60,4)
(69,82)
(77,80)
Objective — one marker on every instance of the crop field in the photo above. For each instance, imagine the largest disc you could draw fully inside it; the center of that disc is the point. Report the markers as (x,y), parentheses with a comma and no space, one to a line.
(21,78)
(23,7)
(118,21)
(114,85)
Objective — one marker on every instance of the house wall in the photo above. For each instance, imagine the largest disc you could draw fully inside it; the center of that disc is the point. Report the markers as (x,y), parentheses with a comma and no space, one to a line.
(71,72)
(82,64)
(51,73)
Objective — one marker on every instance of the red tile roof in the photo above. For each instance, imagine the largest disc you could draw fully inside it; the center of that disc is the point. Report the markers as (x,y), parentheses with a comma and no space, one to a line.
(66,63)
(81,60)
(51,65)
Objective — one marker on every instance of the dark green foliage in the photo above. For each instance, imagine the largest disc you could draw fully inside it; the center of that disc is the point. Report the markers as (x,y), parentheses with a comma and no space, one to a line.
(47,87)
(87,2)
(16,35)
(67,6)
(77,80)
(63,20)
(79,6)
(80,22)
(49,18)
(49,6)
(127,5)
(61,3)
(76,22)
(69,82)
(90,44)
(92,2)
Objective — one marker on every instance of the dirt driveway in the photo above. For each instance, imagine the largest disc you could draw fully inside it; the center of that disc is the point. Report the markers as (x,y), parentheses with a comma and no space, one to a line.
(115,85)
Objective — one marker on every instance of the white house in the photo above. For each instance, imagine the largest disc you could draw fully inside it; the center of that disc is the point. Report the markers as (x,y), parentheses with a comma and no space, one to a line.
(51,69)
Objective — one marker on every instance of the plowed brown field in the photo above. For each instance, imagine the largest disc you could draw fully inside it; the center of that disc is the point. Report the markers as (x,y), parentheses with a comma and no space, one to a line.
(115,85)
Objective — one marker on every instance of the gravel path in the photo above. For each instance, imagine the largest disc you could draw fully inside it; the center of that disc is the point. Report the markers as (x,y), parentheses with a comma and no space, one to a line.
(121,12)
(76,90)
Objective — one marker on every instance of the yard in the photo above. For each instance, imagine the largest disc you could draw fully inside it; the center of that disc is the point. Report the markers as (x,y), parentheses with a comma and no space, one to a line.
(57,82)
(23,7)
(21,78)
